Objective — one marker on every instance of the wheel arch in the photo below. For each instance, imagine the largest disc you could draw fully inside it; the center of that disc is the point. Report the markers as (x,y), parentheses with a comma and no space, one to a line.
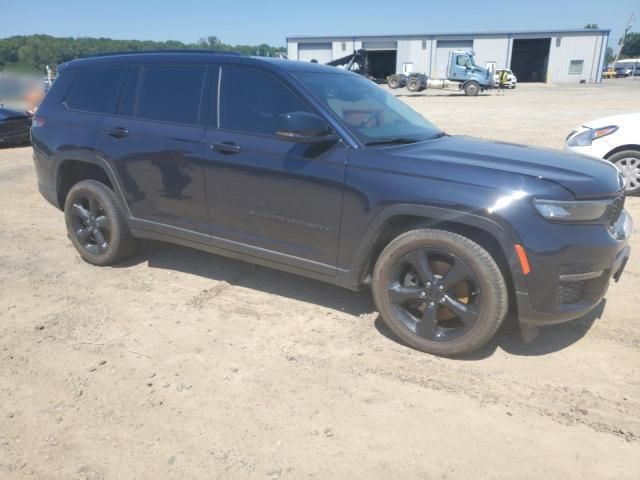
(622,148)
(398,219)
(74,167)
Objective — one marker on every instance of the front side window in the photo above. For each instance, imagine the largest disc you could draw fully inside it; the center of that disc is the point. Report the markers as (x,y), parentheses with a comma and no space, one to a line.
(462,61)
(253,102)
(96,90)
(171,93)
(371,114)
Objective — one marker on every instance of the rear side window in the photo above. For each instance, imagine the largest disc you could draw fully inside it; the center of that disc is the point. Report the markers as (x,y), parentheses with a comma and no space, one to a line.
(251,101)
(171,93)
(96,90)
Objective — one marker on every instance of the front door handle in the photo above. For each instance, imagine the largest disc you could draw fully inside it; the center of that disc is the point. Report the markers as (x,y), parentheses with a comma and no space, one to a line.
(226,147)
(118,132)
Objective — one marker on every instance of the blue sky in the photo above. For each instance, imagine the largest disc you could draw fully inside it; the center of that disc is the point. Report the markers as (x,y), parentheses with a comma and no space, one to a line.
(258,21)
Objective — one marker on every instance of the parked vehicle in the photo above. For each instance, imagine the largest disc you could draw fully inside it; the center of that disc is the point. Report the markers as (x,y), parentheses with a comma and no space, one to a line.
(512,80)
(14,127)
(462,74)
(321,173)
(616,139)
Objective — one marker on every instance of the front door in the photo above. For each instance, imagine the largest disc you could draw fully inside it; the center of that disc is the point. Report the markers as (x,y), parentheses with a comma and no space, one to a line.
(156,145)
(281,200)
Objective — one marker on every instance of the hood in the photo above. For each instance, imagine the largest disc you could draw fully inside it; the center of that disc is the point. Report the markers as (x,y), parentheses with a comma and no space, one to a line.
(585,177)
(619,120)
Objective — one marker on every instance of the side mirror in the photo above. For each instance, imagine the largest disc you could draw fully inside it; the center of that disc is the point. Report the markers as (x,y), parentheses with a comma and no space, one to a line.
(304,127)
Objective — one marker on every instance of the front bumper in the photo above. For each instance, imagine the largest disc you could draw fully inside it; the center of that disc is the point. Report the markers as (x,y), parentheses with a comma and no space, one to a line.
(568,284)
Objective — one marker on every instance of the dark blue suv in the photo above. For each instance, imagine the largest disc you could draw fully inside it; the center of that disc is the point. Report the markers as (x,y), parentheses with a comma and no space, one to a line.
(320,172)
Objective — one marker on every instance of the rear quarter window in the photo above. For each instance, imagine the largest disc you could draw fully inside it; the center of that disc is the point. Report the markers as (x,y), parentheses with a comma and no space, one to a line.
(96,90)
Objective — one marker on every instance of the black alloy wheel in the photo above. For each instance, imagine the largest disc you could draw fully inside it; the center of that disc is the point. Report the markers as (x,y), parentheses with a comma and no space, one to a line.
(90,223)
(435,294)
(96,224)
(439,291)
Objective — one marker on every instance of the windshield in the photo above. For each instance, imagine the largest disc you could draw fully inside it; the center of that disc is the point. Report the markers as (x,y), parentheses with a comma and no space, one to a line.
(371,114)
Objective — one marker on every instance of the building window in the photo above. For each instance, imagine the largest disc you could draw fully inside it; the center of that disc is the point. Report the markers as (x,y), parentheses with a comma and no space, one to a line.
(424,44)
(575,67)
(344,46)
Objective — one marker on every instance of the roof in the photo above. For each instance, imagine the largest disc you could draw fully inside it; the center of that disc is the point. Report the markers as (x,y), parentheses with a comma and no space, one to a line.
(194,56)
(457,34)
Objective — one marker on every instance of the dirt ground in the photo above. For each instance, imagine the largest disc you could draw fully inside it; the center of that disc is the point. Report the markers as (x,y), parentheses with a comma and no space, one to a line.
(180,364)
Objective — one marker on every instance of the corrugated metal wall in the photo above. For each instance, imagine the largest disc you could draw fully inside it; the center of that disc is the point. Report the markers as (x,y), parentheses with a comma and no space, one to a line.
(492,50)
(567,48)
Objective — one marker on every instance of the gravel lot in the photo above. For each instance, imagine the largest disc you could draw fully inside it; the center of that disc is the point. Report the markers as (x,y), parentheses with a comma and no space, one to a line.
(180,364)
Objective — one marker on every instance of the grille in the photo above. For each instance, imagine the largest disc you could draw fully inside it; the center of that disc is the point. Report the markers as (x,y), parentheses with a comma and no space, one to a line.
(570,292)
(614,210)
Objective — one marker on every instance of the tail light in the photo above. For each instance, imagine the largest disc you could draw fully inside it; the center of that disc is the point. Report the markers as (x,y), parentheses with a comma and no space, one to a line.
(37,122)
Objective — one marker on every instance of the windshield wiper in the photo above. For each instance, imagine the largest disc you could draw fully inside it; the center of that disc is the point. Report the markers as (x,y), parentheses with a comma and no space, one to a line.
(392,141)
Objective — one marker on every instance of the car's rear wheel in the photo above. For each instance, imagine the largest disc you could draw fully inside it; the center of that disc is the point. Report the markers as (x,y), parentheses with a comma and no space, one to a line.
(628,162)
(96,224)
(439,292)
(413,85)
(393,81)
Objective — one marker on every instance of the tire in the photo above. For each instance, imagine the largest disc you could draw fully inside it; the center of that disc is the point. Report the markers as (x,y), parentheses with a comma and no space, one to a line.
(413,85)
(421,318)
(628,162)
(471,89)
(393,81)
(96,225)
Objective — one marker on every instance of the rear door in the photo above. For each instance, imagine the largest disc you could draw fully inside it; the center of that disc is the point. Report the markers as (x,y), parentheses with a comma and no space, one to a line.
(279,197)
(156,145)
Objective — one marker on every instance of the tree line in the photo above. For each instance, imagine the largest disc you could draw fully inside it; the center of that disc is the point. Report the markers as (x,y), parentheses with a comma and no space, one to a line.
(35,52)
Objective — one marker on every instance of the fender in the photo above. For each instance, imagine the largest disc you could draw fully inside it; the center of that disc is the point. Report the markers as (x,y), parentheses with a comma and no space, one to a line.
(63,154)
(434,216)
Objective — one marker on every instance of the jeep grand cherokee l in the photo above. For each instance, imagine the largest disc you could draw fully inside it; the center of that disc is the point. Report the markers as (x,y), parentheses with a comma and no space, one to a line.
(318,171)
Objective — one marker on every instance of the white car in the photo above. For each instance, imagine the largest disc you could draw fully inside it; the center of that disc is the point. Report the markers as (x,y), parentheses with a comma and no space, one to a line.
(616,139)
(512,80)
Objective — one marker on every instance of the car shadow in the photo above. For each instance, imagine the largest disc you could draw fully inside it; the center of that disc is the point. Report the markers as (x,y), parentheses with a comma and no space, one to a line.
(235,272)
(238,273)
(509,339)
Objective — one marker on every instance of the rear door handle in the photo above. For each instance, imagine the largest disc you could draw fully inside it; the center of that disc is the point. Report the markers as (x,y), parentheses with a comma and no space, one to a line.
(226,147)
(118,132)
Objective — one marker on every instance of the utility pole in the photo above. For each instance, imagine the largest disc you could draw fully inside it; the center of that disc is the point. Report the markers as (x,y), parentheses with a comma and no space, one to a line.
(632,19)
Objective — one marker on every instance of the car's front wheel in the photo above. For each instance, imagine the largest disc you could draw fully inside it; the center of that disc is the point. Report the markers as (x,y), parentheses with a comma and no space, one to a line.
(96,225)
(628,162)
(439,292)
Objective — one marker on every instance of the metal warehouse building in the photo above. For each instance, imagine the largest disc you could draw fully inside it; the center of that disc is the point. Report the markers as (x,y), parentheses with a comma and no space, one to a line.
(562,56)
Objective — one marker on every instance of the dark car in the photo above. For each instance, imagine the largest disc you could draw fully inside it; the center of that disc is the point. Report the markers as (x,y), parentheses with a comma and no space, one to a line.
(319,172)
(14,127)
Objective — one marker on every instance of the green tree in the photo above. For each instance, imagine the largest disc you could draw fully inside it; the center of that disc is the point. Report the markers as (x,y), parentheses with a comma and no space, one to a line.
(591,26)
(38,51)
(631,48)
(609,56)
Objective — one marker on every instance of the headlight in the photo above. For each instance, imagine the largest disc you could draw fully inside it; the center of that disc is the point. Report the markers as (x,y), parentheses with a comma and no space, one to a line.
(584,139)
(571,211)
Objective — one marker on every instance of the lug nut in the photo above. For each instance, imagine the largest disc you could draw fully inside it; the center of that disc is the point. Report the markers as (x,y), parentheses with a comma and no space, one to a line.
(441,287)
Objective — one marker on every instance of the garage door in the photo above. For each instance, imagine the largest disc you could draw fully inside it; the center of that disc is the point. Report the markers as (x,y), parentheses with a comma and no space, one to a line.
(315,51)
(443,48)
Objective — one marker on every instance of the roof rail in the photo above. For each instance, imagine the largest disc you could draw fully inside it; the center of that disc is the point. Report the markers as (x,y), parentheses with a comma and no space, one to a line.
(184,50)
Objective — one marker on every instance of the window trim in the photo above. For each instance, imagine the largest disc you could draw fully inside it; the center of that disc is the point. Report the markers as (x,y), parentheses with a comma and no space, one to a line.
(278,79)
